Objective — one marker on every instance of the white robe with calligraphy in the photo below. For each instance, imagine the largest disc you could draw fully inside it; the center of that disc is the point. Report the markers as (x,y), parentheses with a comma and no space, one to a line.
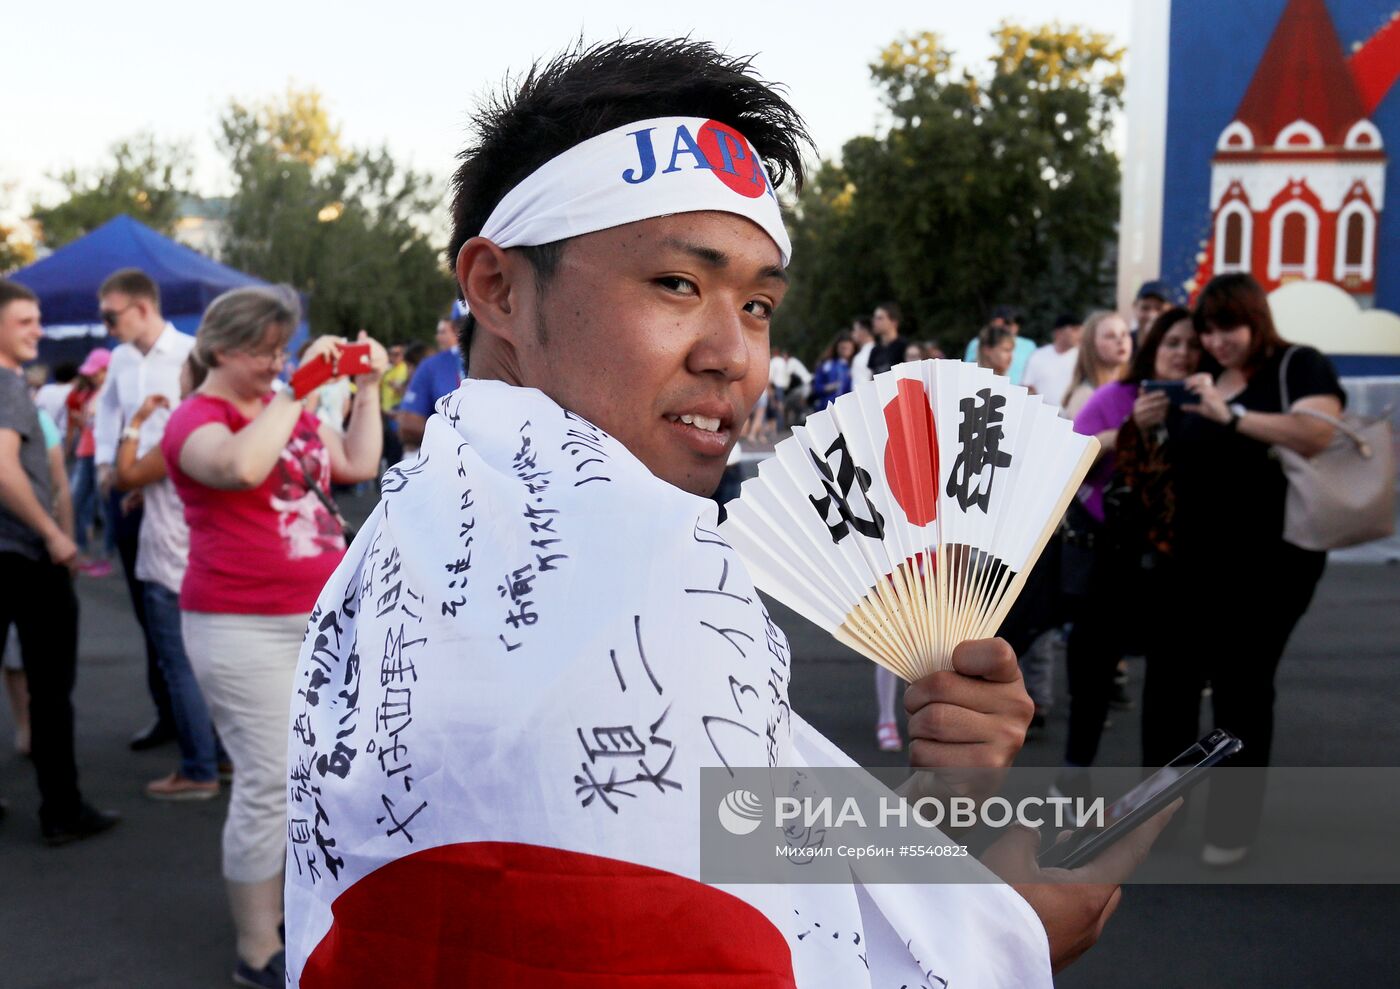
(534,640)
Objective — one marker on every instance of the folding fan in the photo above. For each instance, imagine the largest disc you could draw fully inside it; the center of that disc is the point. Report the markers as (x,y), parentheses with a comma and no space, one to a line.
(905,517)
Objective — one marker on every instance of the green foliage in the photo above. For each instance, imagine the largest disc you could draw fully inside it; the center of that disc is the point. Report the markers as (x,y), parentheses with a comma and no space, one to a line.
(14,252)
(144,179)
(989,187)
(345,226)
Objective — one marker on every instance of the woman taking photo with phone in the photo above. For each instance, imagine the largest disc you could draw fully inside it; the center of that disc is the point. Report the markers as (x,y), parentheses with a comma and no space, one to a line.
(1137,414)
(1229,535)
(254,470)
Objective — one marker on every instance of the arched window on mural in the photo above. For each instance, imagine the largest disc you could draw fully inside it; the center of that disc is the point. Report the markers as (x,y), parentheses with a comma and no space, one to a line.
(1355,241)
(1293,242)
(1233,237)
(1356,233)
(1293,249)
(1233,254)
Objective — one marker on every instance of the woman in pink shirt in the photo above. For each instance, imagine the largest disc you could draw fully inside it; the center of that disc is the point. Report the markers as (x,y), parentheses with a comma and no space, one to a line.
(253,469)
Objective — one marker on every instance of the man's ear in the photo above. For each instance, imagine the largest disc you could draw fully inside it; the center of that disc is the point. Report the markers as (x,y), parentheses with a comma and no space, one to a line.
(490,281)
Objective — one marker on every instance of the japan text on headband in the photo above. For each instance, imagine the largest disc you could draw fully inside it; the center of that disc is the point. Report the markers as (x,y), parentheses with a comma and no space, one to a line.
(635,172)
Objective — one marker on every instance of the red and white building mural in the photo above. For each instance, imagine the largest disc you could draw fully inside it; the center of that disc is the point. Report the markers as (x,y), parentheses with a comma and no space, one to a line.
(1298,176)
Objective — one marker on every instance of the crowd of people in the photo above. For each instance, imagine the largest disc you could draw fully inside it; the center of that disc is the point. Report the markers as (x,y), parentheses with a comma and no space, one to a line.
(1185,404)
(195,446)
(871,345)
(191,460)
(1185,504)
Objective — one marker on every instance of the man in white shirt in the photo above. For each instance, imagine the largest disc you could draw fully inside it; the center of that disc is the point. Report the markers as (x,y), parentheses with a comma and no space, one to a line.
(1050,368)
(53,397)
(864,338)
(147,362)
(160,567)
(780,378)
(799,388)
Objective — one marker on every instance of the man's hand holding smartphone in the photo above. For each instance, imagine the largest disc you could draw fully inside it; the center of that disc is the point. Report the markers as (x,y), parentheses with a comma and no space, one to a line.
(1073,904)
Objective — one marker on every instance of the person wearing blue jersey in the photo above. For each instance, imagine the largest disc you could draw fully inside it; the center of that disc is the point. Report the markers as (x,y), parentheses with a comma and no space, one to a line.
(437,376)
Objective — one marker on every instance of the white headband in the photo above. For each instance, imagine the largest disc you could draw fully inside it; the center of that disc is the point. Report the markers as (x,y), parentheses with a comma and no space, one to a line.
(635,172)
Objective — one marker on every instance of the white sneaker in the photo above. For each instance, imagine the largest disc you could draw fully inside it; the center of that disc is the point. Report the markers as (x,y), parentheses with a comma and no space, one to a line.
(1214,855)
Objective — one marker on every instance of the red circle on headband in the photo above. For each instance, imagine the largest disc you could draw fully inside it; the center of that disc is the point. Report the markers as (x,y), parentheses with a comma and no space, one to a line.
(732,159)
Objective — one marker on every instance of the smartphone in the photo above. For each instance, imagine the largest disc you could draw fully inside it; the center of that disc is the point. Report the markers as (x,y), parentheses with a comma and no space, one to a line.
(354,359)
(1175,390)
(1142,801)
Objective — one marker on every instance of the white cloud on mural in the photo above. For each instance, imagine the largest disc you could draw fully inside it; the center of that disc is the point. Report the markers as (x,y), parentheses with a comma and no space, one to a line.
(1321,315)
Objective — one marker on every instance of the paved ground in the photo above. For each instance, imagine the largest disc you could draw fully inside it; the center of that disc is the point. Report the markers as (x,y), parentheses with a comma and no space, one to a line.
(143,906)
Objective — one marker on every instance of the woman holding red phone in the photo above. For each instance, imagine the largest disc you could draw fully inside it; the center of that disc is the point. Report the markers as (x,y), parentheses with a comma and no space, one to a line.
(254,468)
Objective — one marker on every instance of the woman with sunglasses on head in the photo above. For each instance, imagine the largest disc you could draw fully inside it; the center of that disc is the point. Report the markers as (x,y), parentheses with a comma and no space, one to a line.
(253,468)
(1229,534)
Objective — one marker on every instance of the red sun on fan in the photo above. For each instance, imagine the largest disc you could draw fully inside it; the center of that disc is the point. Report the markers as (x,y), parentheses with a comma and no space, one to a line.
(911,453)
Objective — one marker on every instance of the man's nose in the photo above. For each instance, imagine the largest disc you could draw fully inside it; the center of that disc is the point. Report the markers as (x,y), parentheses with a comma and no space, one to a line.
(724,347)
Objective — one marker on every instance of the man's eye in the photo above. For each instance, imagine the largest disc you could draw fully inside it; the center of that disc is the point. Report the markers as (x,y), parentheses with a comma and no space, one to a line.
(675,283)
(759,308)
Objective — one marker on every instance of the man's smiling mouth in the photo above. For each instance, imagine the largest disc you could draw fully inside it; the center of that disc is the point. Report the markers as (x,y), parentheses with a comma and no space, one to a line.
(706,423)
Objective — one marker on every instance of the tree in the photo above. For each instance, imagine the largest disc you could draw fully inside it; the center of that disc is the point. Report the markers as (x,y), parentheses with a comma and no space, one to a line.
(989,187)
(346,226)
(15,252)
(145,179)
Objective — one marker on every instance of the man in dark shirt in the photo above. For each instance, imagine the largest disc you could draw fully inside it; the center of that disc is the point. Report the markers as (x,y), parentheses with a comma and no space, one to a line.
(889,345)
(36,556)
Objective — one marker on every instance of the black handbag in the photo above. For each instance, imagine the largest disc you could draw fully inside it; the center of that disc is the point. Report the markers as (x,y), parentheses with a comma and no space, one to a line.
(1080,534)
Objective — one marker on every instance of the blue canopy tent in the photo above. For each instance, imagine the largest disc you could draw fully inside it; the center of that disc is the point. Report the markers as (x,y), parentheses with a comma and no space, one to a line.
(67,281)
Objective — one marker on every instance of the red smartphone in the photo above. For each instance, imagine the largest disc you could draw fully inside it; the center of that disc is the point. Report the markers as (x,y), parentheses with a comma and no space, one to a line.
(354,359)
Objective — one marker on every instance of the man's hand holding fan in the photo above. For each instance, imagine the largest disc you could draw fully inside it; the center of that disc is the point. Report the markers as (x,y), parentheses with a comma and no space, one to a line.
(904,519)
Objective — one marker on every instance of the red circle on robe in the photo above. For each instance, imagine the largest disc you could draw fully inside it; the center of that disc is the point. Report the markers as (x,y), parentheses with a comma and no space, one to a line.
(500,914)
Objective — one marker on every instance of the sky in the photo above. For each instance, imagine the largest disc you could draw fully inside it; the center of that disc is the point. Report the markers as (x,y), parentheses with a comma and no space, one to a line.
(82,75)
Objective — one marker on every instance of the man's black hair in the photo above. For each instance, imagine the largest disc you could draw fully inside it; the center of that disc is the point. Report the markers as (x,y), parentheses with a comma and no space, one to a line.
(1008,314)
(893,311)
(589,90)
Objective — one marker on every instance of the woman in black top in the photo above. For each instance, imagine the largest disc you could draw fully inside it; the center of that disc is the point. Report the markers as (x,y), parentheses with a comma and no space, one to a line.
(1229,539)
